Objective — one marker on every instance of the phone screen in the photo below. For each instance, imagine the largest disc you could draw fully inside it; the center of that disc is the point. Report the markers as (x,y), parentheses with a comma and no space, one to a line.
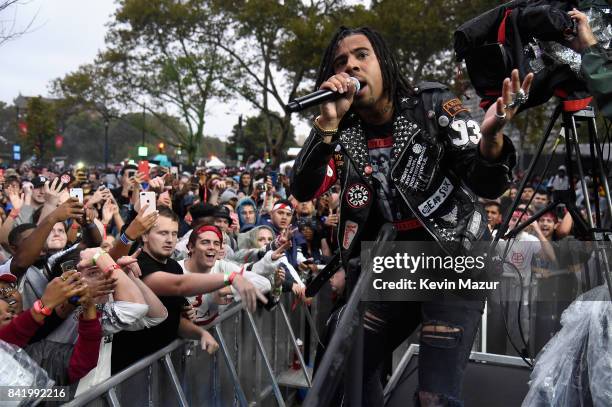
(143,167)
(77,193)
(148,198)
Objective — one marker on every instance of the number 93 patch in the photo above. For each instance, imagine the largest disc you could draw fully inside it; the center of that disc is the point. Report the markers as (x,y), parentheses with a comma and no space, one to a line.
(463,132)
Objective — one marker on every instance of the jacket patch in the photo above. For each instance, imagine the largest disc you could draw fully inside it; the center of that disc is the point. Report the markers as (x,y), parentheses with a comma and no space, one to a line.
(419,167)
(437,198)
(339,160)
(451,217)
(453,107)
(350,231)
(357,196)
(475,223)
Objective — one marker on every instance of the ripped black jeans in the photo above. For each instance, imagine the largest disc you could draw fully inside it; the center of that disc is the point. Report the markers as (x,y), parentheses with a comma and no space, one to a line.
(447,334)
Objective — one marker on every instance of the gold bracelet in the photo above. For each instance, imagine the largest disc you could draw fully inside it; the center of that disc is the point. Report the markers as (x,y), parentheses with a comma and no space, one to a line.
(321,131)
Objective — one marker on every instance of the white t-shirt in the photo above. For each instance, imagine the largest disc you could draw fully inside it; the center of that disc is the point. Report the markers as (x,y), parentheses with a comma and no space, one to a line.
(522,250)
(205,307)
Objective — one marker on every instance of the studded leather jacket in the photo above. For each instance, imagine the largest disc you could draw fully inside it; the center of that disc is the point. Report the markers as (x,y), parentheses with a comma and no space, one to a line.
(436,167)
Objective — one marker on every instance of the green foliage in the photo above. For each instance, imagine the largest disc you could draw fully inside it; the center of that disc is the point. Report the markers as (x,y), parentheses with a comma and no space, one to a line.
(158,58)
(214,146)
(41,120)
(275,48)
(421,33)
(254,141)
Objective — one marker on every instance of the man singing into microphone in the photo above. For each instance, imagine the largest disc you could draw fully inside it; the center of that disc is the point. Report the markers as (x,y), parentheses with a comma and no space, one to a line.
(433,200)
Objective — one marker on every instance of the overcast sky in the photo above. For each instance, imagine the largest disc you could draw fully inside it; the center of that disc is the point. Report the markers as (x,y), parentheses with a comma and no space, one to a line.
(64,35)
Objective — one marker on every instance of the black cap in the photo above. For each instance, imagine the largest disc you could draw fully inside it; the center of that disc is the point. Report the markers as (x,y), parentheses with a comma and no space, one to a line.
(39,181)
(202,210)
(223,212)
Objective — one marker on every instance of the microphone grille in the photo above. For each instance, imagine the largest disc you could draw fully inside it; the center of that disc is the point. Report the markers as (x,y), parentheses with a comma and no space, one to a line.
(356,82)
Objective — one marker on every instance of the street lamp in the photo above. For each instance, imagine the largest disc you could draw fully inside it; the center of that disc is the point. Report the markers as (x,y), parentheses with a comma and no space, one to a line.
(105,142)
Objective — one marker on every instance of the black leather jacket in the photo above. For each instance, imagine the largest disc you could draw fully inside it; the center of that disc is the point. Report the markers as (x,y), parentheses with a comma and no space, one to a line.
(435,165)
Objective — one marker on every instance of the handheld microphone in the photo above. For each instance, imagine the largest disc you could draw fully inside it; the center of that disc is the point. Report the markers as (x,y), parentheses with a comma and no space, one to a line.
(318,97)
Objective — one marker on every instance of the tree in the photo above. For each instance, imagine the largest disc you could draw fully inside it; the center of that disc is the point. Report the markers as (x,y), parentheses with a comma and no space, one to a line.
(8,29)
(159,59)
(41,122)
(254,140)
(421,33)
(275,50)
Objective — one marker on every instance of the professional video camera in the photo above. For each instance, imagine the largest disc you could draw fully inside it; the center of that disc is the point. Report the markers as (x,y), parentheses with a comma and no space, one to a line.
(532,36)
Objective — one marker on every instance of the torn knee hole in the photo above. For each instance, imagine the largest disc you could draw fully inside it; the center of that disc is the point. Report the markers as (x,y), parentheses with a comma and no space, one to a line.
(372,323)
(439,331)
(371,317)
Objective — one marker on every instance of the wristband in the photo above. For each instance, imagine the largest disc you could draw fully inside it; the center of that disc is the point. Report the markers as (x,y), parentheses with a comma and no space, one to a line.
(97,255)
(226,278)
(231,277)
(14,213)
(125,240)
(75,225)
(40,308)
(112,267)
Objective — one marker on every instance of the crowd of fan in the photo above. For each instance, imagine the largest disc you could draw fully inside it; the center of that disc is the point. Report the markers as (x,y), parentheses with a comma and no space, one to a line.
(90,287)
(549,267)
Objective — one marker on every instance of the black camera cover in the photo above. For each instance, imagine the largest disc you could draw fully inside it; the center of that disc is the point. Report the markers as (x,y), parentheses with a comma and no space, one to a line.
(497,41)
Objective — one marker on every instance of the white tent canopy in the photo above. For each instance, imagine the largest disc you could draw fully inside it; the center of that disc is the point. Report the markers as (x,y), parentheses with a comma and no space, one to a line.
(257,165)
(286,166)
(214,162)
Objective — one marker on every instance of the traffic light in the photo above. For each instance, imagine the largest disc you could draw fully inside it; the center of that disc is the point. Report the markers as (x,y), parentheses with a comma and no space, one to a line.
(161,147)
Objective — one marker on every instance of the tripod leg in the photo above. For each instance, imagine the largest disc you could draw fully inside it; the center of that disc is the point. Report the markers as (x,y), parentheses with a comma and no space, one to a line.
(573,141)
(504,226)
(602,171)
(596,177)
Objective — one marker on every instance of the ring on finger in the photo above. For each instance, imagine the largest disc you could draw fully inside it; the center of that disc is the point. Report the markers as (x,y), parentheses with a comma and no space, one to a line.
(63,277)
(518,99)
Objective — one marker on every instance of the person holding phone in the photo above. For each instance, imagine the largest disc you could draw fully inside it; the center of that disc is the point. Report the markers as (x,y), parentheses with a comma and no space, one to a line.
(165,277)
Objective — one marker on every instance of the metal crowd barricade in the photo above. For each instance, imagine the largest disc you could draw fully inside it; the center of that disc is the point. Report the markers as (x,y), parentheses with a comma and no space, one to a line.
(256,350)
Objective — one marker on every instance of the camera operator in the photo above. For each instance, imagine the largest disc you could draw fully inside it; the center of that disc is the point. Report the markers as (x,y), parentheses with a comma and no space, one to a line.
(596,63)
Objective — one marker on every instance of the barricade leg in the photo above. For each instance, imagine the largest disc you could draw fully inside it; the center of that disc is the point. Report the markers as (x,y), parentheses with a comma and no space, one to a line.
(295,345)
(232,369)
(111,398)
(175,381)
(262,350)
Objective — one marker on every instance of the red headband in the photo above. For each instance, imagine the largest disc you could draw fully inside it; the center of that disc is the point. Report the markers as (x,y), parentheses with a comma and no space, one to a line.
(281,206)
(210,228)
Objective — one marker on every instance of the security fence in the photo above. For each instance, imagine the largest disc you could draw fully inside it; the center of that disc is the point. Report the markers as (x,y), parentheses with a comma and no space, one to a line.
(257,364)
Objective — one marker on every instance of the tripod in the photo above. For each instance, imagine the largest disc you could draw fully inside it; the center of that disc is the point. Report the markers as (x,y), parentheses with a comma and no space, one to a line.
(572,112)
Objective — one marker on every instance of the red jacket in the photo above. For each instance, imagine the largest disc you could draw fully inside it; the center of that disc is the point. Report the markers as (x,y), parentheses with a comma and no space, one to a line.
(85,354)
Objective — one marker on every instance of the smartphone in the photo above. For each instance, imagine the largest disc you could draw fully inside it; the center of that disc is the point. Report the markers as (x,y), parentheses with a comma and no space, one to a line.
(130,173)
(274,177)
(77,193)
(174,171)
(148,198)
(143,167)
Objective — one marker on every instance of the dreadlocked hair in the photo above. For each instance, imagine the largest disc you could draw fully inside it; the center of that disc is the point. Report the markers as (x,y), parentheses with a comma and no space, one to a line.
(395,86)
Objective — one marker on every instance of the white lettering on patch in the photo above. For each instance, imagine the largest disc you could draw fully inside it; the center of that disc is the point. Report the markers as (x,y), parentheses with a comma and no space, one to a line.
(350,231)
(434,201)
